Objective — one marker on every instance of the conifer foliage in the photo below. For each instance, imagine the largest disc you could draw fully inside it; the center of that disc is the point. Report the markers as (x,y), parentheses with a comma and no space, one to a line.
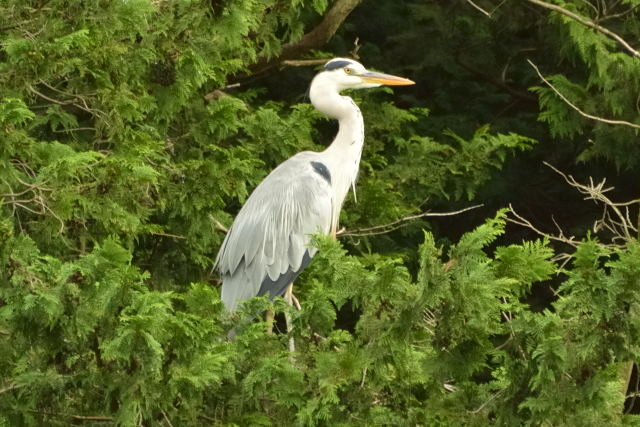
(131,131)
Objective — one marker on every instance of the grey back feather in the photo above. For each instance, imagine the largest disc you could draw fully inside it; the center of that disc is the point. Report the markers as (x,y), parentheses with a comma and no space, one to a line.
(270,235)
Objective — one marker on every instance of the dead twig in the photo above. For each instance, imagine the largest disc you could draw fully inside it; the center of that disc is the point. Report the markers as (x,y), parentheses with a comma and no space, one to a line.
(85,107)
(63,415)
(582,113)
(304,62)
(616,217)
(387,228)
(622,226)
(519,220)
(217,225)
(9,387)
(175,236)
(478,8)
(164,415)
(20,200)
(489,400)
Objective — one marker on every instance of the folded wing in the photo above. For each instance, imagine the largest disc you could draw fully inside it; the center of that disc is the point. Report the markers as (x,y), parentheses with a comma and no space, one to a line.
(267,245)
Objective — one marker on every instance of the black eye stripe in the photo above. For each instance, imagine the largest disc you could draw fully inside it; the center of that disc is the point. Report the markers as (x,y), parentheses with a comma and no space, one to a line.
(334,65)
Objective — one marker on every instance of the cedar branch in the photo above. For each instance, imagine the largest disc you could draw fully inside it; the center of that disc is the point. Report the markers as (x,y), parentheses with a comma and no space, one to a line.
(588,23)
(582,113)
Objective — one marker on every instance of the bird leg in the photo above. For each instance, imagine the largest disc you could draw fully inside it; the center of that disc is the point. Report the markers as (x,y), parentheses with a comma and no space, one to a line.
(288,296)
(268,318)
(334,231)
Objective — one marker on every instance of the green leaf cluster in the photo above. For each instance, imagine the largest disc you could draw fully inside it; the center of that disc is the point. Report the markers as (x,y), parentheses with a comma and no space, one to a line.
(131,132)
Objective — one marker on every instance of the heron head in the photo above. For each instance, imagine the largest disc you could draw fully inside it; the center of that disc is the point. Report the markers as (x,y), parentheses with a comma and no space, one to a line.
(343,73)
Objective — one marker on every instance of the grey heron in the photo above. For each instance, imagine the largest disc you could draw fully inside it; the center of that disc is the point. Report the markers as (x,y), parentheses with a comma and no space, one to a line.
(267,246)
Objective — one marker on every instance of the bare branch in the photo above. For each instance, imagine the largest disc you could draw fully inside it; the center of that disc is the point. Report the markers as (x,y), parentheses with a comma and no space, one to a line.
(493,396)
(618,15)
(9,387)
(84,106)
(60,414)
(615,219)
(586,22)
(38,198)
(218,226)
(304,62)
(75,130)
(45,97)
(622,226)
(175,236)
(519,220)
(386,228)
(166,419)
(582,113)
(525,96)
(475,6)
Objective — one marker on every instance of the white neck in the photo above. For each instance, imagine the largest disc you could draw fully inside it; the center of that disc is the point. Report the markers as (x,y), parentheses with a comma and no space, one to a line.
(343,155)
(350,135)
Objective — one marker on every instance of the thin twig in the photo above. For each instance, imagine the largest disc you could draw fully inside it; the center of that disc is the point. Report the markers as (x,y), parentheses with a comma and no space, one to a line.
(493,396)
(74,130)
(479,8)
(356,49)
(167,419)
(519,220)
(618,15)
(45,97)
(621,227)
(304,62)
(587,23)
(176,236)
(84,107)
(364,375)
(9,387)
(386,228)
(582,113)
(218,226)
(60,414)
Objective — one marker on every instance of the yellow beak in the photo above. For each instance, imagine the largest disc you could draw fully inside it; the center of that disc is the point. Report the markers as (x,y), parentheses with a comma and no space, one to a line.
(385,79)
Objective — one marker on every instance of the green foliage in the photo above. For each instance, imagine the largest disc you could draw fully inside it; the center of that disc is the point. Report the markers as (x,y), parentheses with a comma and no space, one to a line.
(125,148)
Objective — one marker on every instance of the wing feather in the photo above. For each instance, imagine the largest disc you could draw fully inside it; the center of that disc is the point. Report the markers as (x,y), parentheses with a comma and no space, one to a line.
(268,241)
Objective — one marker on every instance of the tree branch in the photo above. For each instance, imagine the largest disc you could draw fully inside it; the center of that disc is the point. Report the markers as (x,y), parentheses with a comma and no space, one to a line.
(587,23)
(72,416)
(314,39)
(519,220)
(217,225)
(478,8)
(582,113)
(525,96)
(9,387)
(387,228)
(615,216)
(304,62)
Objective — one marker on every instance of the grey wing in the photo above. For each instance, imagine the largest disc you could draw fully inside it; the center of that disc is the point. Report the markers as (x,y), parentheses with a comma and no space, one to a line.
(267,245)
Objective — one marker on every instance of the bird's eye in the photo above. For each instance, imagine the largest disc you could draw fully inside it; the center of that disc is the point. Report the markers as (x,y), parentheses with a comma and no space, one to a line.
(348,70)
